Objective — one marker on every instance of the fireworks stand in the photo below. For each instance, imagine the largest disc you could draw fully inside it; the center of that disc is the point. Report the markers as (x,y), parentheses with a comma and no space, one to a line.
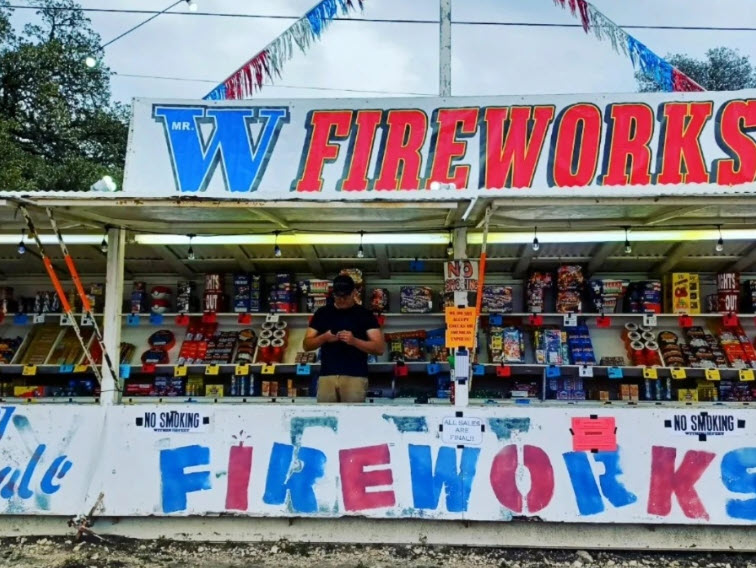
(589,254)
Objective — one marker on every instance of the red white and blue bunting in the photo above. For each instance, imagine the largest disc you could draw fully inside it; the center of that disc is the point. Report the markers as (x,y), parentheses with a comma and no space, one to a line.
(668,78)
(270,61)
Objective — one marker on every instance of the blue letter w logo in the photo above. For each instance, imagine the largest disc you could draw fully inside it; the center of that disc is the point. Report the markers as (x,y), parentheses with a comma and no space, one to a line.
(195,154)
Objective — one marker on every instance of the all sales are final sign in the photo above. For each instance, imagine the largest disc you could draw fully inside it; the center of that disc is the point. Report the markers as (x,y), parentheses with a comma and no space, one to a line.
(428,148)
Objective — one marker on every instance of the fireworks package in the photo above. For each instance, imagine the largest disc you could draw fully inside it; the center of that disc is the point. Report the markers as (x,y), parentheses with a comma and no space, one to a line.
(247,293)
(282,297)
(160,299)
(606,294)
(728,292)
(580,346)
(406,346)
(497,300)
(316,293)
(379,300)
(506,345)
(535,291)
(549,347)
(569,289)
(186,297)
(683,293)
(415,300)
(645,296)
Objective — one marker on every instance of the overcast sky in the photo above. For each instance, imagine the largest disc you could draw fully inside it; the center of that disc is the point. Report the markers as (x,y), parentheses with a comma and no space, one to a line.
(403,58)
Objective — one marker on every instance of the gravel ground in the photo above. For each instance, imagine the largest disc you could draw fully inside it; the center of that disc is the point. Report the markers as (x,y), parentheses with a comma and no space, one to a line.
(59,553)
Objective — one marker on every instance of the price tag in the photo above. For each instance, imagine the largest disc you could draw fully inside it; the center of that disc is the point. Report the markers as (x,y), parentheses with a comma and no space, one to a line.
(156,319)
(570,320)
(20,319)
(268,369)
(86,321)
(304,370)
(614,373)
(132,320)
(124,371)
(602,322)
(712,375)
(179,371)
(241,370)
(497,343)
(148,368)
(679,373)
(65,369)
(245,319)
(553,372)
(272,318)
(494,320)
(39,318)
(81,369)
(685,321)
(746,375)
(730,320)
(212,370)
(182,319)
(479,370)
(503,371)
(65,320)
(585,371)
(401,370)
(650,373)
(649,320)
(535,320)
(433,369)
(29,370)
(209,317)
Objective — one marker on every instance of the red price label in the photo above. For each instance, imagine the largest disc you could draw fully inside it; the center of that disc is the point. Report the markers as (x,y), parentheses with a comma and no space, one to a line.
(401,370)
(536,319)
(209,317)
(148,368)
(503,371)
(730,320)
(685,321)
(182,319)
(603,322)
(245,319)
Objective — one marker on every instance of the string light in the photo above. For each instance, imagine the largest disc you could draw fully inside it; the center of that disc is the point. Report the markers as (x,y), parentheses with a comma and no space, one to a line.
(21,245)
(628,248)
(104,243)
(536,244)
(450,246)
(276,248)
(361,251)
(720,242)
(192,5)
(190,252)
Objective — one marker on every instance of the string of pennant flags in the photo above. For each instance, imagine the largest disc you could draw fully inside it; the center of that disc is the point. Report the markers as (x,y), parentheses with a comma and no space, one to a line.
(268,63)
(666,76)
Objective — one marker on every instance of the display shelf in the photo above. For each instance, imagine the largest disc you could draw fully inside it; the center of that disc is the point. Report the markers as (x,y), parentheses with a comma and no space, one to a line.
(51,400)
(10,369)
(602,372)
(284,368)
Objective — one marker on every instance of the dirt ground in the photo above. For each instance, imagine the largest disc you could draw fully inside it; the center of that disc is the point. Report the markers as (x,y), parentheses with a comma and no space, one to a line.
(61,553)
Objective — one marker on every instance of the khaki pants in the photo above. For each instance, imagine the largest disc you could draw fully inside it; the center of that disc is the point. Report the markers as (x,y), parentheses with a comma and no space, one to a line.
(342,388)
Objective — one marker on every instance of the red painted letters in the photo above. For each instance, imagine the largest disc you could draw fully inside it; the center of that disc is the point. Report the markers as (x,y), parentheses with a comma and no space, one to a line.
(401,158)
(355,480)
(322,127)
(627,156)
(239,473)
(666,481)
(680,157)
(503,478)
(735,121)
(576,143)
(355,176)
(448,123)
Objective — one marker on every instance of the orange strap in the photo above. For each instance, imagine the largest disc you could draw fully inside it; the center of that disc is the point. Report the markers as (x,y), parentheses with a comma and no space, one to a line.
(77,282)
(56,285)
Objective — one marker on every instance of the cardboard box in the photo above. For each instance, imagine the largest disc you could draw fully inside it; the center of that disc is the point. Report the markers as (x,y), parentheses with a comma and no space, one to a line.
(28,392)
(634,392)
(215,391)
(682,293)
(624,392)
(687,395)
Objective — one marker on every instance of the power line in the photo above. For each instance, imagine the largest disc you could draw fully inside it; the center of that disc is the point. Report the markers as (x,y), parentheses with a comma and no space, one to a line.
(395,20)
(310,88)
(140,24)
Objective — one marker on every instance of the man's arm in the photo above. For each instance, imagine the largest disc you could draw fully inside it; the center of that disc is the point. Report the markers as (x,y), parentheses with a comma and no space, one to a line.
(375,344)
(313,341)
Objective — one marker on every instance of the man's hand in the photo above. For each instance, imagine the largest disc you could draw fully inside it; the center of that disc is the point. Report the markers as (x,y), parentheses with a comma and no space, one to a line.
(329,337)
(347,337)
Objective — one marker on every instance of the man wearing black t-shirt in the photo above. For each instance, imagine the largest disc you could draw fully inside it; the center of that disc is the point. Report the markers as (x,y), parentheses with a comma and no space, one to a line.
(346,334)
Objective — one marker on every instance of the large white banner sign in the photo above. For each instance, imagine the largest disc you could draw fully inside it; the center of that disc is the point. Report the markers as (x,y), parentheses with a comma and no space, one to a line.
(430,148)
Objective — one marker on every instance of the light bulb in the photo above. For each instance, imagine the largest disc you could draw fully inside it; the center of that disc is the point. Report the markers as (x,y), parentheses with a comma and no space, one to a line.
(360,252)
(450,249)
(190,253)
(720,245)
(536,244)
(277,251)
(90,61)
(104,246)
(21,246)
(628,248)
(192,5)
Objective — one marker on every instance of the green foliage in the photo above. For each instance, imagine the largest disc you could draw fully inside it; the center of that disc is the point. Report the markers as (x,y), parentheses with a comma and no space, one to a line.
(59,129)
(723,69)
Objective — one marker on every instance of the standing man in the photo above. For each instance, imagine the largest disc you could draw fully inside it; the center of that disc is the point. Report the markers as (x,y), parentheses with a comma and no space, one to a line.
(346,334)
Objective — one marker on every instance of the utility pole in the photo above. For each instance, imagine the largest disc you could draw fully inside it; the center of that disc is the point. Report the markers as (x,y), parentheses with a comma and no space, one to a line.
(444,54)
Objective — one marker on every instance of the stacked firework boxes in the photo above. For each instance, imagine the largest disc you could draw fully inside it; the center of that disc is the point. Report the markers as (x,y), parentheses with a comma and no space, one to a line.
(247,293)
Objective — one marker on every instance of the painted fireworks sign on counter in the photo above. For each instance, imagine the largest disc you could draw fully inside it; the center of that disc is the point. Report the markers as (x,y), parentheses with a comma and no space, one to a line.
(644,144)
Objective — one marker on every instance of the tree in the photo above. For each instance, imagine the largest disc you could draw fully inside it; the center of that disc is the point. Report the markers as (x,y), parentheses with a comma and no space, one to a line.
(59,129)
(723,69)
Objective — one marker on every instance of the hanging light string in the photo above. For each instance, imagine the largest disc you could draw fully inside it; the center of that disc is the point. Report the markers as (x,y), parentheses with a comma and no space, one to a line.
(720,243)
(21,245)
(276,249)
(190,252)
(361,251)
(536,244)
(628,247)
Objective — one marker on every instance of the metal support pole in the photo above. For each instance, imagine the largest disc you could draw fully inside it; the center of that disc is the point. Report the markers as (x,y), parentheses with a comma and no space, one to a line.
(445,39)
(112,315)
(462,357)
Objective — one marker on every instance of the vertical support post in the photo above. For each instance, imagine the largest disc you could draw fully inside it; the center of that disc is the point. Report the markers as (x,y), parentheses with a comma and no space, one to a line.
(462,357)
(445,39)
(112,315)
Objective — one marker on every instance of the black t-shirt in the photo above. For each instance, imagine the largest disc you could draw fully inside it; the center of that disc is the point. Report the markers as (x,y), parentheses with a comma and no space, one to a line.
(338,358)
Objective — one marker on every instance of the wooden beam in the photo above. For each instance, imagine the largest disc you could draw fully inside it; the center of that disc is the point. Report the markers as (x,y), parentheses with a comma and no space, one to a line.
(311,256)
(381,257)
(673,257)
(599,256)
(745,262)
